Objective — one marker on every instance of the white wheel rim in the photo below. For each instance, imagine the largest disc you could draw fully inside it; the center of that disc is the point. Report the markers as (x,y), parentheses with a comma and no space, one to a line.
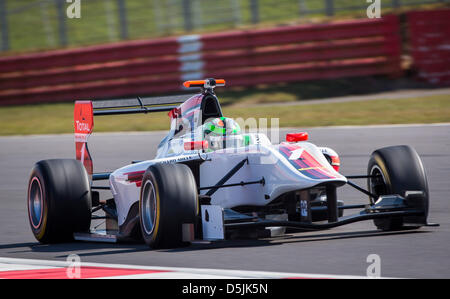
(35,203)
(148,207)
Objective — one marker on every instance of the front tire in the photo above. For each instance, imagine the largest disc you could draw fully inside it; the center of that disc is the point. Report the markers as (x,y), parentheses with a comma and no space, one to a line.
(168,199)
(58,200)
(396,170)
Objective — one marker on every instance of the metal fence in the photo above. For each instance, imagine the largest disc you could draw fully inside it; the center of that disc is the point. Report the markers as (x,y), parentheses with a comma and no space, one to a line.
(45,24)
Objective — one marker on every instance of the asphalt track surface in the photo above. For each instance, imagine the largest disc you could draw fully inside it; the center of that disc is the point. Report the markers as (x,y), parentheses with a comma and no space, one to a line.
(423,253)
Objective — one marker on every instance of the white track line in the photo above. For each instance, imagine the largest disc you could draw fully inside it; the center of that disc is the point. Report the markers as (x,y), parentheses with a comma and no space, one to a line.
(15,264)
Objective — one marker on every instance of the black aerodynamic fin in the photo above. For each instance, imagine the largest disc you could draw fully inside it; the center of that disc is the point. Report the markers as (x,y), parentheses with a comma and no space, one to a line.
(138,105)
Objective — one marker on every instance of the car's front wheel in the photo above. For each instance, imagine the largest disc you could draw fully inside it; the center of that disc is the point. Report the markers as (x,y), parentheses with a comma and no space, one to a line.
(168,199)
(398,170)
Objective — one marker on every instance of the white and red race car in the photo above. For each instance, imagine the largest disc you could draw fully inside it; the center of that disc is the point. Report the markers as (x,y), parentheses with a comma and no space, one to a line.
(210,181)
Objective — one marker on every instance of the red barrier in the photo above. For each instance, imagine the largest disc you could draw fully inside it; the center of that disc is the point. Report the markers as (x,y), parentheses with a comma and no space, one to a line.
(330,50)
(306,33)
(335,50)
(430,44)
(290,53)
(311,71)
(88,55)
(90,72)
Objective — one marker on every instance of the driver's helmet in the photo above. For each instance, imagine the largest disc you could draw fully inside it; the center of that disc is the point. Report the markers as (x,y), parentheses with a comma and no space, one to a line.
(222,132)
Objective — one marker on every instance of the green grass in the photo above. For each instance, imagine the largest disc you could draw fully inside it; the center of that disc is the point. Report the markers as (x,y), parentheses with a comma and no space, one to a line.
(33,25)
(58,118)
(431,109)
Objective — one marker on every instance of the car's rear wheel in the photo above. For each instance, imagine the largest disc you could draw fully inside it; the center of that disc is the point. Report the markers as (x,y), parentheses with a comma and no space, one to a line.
(168,199)
(398,170)
(58,200)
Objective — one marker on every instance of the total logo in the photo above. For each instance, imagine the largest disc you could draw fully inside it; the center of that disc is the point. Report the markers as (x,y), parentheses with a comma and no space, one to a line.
(82,127)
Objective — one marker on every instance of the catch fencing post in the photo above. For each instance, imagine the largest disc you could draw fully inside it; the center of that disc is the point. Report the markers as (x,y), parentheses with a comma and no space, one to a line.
(123,19)
(302,8)
(187,15)
(329,7)
(395,3)
(254,7)
(62,27)
(4,26)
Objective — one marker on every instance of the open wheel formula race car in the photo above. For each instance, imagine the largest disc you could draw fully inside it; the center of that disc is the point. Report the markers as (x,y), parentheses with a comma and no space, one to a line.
(210,181)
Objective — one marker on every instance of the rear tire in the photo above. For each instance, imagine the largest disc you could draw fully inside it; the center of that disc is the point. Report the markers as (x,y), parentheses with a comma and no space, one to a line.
(400,169)
(168,199)
(58,200)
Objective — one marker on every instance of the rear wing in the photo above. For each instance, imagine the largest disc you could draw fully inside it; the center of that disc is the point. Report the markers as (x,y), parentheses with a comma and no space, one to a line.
(85,111)
(138,105)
